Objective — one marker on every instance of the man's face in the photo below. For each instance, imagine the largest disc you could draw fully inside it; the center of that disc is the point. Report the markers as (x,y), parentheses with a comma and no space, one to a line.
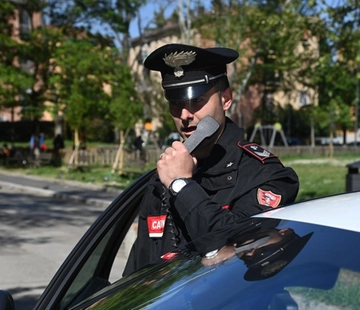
(187,115)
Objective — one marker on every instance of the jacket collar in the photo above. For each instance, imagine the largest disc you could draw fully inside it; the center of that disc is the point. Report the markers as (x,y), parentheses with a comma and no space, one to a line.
(226,155)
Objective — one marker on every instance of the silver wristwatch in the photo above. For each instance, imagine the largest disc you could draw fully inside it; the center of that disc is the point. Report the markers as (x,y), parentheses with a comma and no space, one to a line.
(212,254)
(177,185)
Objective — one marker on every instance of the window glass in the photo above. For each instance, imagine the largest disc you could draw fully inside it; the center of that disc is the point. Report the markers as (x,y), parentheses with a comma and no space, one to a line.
(108,254)
(303,98)
(123,253)
(320,273)
(87,271)
(25,24)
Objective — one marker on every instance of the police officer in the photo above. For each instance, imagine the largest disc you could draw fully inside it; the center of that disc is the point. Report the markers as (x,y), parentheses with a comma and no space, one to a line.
(224,180)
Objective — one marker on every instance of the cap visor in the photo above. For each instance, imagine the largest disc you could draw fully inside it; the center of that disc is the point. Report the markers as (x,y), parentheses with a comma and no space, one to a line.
(187,93)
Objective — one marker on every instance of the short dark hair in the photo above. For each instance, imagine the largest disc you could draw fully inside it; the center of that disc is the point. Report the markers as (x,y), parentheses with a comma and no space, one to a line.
(222,84)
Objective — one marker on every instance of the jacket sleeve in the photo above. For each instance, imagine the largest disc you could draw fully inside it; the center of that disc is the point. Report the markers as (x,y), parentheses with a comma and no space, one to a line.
(279,190)
(201,214)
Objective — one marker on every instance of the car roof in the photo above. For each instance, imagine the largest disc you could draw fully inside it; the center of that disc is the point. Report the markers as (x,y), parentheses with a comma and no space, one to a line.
(339,211)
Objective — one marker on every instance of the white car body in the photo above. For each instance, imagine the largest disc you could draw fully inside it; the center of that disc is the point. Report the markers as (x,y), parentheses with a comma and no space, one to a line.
(338,211)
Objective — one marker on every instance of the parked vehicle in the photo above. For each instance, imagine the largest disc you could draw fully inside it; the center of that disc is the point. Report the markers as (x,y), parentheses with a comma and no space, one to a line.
(327,140)
(302,256)
(294,141)
(173,136)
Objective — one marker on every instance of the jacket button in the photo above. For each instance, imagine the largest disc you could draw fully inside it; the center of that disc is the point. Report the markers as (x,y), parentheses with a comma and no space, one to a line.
(229,178)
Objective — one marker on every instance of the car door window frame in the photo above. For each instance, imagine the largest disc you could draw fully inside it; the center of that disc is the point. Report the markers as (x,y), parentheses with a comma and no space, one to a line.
(118,216)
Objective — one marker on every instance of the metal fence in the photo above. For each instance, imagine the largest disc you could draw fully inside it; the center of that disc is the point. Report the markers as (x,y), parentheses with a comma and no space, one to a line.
(107,155)
(317,151)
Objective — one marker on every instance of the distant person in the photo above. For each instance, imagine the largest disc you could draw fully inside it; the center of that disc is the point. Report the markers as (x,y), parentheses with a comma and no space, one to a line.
(34,146)
(43,146)
(139,148)
(58,145)
(173,136)
(58,142)
(82,155)
(32,142)
(5,153)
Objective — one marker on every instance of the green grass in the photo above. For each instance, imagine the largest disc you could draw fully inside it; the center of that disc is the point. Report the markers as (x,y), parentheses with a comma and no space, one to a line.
(318,176)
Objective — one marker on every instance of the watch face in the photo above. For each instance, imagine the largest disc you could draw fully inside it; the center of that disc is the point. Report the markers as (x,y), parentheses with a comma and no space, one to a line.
(178,185)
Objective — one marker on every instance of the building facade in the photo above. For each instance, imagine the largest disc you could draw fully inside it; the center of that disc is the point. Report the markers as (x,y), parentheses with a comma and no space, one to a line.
(22,24)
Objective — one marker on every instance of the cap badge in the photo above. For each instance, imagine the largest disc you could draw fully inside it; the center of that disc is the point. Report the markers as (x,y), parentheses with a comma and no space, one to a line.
(176,60)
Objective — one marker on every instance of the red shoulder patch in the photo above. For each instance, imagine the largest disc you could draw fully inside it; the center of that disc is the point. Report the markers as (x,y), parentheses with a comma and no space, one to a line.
(268,198)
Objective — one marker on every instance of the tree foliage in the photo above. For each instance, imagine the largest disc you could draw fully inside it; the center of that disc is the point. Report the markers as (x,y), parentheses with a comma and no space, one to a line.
(13,80)
(75,68)
(274,39)
(83,46)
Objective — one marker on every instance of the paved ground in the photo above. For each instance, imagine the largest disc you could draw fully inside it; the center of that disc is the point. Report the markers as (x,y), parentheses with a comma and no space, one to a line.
(71,190)
(41,221)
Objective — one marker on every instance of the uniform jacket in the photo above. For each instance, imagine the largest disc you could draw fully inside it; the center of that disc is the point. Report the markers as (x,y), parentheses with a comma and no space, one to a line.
(237,180)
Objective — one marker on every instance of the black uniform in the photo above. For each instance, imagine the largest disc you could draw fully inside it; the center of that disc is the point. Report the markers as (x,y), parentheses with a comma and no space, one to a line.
(237,180)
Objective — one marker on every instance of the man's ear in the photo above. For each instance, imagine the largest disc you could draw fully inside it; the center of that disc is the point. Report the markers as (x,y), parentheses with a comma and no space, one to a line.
(226,98)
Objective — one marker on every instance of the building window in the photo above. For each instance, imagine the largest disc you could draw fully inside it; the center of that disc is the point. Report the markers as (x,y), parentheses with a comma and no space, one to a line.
(304,98)
(26,65)
(25,24)
(144,52)
(3,118)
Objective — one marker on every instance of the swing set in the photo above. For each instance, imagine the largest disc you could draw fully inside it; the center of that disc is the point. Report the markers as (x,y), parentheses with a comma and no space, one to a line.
(266,129)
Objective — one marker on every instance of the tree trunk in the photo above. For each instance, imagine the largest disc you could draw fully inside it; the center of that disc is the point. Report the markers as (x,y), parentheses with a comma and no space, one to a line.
(74,156)
(119,158)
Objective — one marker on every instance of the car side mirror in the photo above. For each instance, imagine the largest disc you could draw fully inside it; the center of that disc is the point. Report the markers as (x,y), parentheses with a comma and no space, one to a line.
(6,301)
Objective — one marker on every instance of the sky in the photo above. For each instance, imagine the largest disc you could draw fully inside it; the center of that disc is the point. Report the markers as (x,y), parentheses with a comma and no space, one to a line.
(147,13)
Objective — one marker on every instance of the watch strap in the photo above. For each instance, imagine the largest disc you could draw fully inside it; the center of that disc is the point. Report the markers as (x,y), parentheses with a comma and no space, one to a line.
(174,191)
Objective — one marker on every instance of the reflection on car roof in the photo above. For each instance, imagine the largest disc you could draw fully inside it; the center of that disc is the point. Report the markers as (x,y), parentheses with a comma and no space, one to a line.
(316,269)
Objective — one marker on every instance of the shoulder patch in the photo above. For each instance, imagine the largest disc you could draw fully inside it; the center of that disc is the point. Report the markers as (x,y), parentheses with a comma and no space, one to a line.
(268,198)
(257,151)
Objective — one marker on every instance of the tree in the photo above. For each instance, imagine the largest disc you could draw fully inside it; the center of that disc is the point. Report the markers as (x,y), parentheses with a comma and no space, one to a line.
(336,70)
(103,18)
(13,79)
(98,85)
(267,35)
(23,62)
(125,108)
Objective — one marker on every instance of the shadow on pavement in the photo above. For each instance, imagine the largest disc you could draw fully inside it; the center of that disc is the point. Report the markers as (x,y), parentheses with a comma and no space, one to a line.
(28,212)
(30,226)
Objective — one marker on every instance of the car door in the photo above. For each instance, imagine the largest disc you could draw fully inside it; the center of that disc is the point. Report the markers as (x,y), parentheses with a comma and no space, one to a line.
(97,260)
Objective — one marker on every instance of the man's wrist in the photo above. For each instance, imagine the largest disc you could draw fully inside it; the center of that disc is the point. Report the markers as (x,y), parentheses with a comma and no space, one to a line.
(177,185)
(211,254)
